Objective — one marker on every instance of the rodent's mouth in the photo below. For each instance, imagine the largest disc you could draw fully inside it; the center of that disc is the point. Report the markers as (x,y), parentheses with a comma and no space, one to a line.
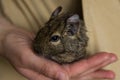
(67,57)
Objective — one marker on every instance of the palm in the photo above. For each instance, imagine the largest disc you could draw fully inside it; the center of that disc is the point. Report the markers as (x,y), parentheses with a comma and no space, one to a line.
(19,52)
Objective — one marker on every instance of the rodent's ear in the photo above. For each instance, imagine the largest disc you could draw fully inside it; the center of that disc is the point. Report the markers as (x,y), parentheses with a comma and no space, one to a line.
(74,18)
(56,12)
(73,25)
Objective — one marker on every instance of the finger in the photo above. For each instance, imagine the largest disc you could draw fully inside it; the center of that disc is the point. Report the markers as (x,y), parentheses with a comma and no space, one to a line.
(112,59)
(87,64)
(48,68)
(100,74)
(32,75)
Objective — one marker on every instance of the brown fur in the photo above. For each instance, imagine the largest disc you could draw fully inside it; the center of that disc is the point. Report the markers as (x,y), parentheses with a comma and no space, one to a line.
(72,38)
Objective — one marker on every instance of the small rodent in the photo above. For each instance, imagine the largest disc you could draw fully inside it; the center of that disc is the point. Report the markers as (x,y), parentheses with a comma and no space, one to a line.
(63,38)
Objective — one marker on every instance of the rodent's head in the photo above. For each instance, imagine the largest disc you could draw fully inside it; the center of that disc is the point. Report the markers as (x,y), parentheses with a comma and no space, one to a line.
(62,39)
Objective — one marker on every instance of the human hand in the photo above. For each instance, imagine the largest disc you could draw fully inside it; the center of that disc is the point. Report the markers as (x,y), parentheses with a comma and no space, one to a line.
(91,68)
(18,50)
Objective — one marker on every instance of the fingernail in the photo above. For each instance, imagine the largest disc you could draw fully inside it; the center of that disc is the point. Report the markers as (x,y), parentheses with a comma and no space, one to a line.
(113,58)
(112,75)
(63,76)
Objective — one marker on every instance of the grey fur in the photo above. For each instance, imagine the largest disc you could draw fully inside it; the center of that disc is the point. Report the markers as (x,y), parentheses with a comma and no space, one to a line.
(63,38)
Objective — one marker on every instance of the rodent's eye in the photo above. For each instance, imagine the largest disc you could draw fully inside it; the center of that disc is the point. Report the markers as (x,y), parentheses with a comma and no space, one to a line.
(55,38)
